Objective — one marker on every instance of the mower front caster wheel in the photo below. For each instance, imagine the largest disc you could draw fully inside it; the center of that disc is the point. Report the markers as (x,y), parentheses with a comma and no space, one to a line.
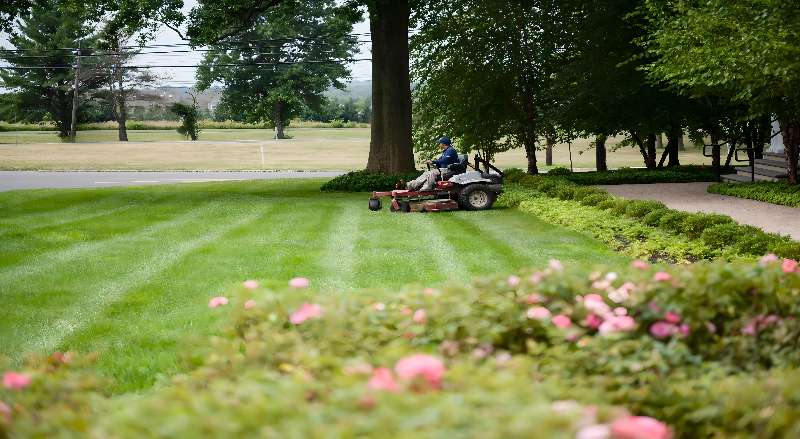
(375,204)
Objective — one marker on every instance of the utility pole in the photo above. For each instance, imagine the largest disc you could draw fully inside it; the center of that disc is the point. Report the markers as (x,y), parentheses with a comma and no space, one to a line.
(74,122)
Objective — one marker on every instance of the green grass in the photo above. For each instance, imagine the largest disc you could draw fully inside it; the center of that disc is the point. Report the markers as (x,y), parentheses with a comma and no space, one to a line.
(767,191)
(127,272)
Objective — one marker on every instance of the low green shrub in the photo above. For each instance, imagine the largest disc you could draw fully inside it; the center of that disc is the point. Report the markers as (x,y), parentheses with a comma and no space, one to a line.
(364,181)
(770,192)
(753,241)
(640,208)
(607,204)
(721,235)
(654,217)
(677,174)
(579,193)
(553,352)
(559,170)
(595,199)
(565,193)
(789,250)
(693,225)
(621,206)
(513,175)
(673,221)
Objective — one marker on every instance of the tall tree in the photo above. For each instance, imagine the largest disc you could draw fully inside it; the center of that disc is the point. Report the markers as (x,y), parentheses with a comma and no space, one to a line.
(41,61)
(282,65)
(746,51)
(390,145)
(483,69)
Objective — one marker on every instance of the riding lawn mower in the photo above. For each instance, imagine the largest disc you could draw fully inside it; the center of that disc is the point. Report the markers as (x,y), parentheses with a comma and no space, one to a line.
(458,188)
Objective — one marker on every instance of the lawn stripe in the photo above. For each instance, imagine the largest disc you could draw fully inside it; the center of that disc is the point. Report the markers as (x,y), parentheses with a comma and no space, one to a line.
(445,256)
(97,300)
(47,261)
(61,218)
(339,256)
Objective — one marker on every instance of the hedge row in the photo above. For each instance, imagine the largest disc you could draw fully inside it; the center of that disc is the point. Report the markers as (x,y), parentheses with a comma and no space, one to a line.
(205,124)
(556,352)
(618,220)
(677,174)
(770,192)
(365,181)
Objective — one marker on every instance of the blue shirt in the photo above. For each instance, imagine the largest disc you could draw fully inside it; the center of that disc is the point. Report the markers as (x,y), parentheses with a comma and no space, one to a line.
(449,156)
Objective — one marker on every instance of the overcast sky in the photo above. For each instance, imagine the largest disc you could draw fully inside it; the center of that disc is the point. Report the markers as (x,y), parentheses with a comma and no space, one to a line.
(185,76)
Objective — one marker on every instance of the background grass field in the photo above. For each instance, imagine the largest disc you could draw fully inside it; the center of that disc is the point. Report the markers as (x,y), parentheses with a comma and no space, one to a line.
(128,272)
(229,149)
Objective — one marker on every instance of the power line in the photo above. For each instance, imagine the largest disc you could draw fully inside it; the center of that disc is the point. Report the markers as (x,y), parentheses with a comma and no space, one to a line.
(197,65)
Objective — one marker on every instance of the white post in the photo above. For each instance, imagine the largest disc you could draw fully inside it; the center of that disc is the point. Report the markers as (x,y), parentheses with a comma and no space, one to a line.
(262,157)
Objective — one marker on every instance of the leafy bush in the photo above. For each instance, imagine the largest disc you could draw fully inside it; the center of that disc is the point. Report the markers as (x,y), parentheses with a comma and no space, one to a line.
(693,225)
(565,193)
(559,170)
(721,235)
(595,199)
(640,208)
(364,181)
(673,221)
(770,192)
(789,250)
(607,204)
(513,175)
(654,217)
(543,353)
(189,117)
(677,174)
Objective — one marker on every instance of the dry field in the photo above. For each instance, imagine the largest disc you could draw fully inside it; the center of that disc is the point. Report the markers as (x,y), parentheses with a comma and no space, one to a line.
(238,149)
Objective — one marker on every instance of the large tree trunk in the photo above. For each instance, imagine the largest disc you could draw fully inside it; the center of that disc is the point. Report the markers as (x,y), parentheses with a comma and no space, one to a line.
(530,153)
(600,153)
(647,147)
(548,152)
(674,146)
(390,149)
(790,131)
(716,152)
(278,116)
(122,113)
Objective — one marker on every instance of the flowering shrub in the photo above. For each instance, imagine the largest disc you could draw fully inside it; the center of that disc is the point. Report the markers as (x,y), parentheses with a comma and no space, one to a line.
(707,350)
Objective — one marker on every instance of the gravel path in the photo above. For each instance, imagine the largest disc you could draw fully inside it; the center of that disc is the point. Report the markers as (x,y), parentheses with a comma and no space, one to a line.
(692,197)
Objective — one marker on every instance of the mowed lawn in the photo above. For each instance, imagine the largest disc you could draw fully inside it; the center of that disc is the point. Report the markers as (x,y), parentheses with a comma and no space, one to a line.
(224,149)
(128,272)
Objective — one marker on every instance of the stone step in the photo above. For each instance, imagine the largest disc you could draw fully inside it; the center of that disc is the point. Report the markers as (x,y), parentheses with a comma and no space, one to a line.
(734,178)
(762,174)
(771,164)
(775,156)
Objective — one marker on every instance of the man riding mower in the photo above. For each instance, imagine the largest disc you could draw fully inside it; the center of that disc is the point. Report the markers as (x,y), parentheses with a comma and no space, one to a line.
(447,185)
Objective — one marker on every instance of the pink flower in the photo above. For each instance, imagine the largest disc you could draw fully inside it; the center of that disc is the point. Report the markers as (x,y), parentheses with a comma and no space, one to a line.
(406,311)
(5,412)
(561,321)
(16,380)
(358,368)
(427,367)
(555,265)
(379,306)
(672,317)
(601,284)
(616,324)
(593,321)
(513,281)
(789,266)
(663,330)
(662,276)
(299,283)
(639,427)
(306,311)
(640,264)
(595,431)
(684,330)
(217,301)
(597,306)
(768,259)
(593,298)
(383,379)
(250,284)
(536,277)
(534,298)
(420,316)
(250,304)
(538,313)
(429,292)
(710,327)
(620,311)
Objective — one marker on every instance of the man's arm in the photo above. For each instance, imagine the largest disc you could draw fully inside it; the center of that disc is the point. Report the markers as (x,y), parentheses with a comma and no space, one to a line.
(449,156)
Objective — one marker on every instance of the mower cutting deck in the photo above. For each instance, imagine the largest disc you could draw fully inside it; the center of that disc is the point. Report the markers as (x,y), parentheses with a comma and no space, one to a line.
(463,189)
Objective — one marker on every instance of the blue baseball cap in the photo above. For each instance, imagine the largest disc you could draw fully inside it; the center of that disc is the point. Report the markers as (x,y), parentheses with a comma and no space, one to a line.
(445,140)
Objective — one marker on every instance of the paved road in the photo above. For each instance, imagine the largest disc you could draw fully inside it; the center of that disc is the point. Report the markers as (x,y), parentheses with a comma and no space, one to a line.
(12,180)
(692,197)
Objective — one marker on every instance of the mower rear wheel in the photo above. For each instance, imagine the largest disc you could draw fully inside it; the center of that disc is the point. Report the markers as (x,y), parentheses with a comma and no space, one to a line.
(476,197)
(374,204)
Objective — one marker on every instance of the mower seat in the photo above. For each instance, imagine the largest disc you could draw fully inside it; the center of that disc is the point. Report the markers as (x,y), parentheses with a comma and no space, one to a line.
(460,167)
